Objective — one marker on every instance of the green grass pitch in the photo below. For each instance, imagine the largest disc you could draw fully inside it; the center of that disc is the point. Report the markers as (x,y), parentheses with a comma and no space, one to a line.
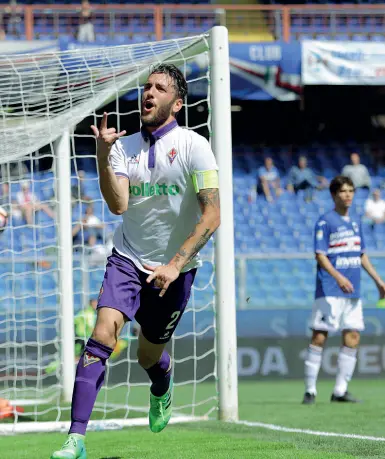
(268,402)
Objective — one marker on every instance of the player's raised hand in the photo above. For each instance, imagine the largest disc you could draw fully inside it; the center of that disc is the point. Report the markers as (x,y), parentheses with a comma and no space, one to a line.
(345,285)
(162,276)
(106,137)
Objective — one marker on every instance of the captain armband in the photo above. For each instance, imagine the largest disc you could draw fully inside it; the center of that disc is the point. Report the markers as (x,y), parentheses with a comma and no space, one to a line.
(205,179)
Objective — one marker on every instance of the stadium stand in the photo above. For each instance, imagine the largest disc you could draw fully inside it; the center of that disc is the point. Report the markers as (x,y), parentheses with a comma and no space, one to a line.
(283,226)
(125,23)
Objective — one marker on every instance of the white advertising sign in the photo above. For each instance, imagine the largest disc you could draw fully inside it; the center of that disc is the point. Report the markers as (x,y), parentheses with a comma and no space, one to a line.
(343,63)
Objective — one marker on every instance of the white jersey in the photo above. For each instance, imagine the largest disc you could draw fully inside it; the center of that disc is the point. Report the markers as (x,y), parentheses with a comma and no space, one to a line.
(163,207)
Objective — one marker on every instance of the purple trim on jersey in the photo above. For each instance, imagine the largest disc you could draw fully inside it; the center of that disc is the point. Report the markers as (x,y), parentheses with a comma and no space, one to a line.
(151,154)
(153,137)
(162,131)
(122,174)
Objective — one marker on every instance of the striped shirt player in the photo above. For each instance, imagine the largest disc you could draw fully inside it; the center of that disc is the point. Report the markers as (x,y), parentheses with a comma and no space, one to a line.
(340,253)
(163,180)
(340,238)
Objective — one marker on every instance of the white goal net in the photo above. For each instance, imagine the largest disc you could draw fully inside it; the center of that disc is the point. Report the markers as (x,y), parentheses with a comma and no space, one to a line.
(56,234)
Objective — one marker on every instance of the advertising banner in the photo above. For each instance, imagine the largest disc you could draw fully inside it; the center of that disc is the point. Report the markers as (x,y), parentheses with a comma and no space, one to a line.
(343,63)
(259,71)
(272,323)
(257,358)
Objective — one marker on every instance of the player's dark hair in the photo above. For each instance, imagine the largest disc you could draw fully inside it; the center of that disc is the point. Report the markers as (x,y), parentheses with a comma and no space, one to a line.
(173,72)
(338,182)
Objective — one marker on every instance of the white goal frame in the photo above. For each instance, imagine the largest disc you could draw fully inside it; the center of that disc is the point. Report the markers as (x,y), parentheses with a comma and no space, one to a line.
(224,247)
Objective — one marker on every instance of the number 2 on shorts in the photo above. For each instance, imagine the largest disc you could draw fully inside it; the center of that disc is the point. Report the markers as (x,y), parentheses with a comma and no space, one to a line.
(174,318)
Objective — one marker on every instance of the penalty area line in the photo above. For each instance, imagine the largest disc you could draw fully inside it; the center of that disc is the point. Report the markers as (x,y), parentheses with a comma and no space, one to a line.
(276,428)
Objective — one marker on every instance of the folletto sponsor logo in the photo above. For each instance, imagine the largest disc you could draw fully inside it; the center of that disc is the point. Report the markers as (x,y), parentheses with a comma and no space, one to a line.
(146,189)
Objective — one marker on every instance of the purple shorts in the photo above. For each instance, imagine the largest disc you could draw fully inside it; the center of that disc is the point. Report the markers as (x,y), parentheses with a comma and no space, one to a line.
(125,288)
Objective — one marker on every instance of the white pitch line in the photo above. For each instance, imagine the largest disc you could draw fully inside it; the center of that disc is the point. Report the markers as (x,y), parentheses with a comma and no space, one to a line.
(262,425)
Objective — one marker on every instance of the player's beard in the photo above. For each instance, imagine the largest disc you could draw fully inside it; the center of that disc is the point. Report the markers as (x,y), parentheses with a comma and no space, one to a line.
(160,116)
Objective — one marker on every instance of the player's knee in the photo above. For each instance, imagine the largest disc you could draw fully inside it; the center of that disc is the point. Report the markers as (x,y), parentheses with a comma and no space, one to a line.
(146,359)
(103,335)
(319,338)
(351,338)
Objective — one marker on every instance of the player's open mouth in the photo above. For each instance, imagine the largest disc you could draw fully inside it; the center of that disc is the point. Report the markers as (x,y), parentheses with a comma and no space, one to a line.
(148,106)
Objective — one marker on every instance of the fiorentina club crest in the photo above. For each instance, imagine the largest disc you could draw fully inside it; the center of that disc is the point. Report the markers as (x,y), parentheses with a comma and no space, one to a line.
(89,359)
(134,159)
(172,155)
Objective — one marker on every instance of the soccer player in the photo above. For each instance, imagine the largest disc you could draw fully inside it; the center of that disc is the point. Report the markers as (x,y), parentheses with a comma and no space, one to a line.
(163,180)
(340,253)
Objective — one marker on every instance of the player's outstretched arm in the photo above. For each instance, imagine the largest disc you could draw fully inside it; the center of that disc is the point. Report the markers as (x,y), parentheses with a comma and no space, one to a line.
(198,238)
(369,268)
(114,189)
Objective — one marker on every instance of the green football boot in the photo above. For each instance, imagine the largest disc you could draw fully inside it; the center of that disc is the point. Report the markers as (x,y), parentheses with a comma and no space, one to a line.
(73,448)
(160,410)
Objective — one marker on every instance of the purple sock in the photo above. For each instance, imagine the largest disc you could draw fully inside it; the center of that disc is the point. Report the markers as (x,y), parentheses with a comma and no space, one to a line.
(88,381)
(160,375)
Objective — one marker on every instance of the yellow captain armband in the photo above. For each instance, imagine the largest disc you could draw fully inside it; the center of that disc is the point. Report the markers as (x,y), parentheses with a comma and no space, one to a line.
(205,179)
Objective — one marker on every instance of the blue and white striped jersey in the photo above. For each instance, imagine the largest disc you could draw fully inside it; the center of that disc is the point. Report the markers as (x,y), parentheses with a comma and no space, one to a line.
(340,239)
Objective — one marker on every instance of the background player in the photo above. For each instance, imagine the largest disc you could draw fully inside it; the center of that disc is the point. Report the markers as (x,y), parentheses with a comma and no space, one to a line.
(84,323)
(340,253)
(169,174)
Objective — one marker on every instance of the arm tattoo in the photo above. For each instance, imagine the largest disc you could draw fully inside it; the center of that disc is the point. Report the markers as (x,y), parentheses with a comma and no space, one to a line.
(182,252)
(208,197)
(201,243)
(180,255)
(192,234)
(197,247)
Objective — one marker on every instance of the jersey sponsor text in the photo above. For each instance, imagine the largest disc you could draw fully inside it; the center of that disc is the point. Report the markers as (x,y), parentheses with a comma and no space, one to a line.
(146,189)
(348,262)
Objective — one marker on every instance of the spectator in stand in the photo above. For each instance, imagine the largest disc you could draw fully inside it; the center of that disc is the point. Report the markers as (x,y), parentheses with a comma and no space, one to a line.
(3,219)
(29,204)
(301,177)
(5,198)
(375,209)
(78,191)
(93,228)
(268,180)
(15,23)
(357,172)
(2,30)
(8,204)
(14,170)
(86,31)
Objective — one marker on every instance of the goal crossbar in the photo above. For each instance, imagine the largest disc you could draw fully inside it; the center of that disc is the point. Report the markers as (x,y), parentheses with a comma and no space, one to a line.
(90,79)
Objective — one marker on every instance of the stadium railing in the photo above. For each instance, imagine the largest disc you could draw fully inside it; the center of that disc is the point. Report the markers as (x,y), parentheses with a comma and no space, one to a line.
(245,22)
(264,281)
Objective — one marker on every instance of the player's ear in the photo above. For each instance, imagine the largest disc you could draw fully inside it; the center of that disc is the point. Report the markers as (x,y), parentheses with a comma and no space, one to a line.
(178,104)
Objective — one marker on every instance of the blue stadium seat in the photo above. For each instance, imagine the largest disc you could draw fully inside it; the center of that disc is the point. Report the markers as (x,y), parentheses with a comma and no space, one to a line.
(378,37)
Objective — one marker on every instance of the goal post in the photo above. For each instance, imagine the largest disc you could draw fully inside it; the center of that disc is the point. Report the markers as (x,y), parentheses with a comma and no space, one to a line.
(66,300)
(47,103)
(224,250)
